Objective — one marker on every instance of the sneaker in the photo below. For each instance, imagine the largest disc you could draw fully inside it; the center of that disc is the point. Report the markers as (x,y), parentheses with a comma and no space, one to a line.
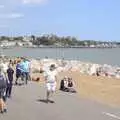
(5,110)
(16,83)
(9,96)
(51,101)
(47,101)
(1,111)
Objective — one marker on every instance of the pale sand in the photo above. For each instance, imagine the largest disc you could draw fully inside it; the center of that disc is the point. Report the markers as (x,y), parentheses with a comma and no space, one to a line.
(101,89)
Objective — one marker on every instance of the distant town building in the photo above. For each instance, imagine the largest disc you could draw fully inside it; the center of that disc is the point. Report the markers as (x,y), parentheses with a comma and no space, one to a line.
(27,38)
(6,43)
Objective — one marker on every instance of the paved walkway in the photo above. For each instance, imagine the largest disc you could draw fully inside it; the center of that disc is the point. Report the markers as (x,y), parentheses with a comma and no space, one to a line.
(27,104)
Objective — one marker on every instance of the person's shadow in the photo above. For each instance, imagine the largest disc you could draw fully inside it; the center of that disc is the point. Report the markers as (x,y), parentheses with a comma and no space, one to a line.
(42,100)
(18,84)
(45,101)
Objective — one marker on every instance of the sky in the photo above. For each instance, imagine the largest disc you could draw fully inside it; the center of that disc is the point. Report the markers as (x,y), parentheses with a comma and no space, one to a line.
(84,19)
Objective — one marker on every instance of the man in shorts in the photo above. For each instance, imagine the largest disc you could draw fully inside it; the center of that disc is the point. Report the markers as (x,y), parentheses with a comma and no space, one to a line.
(50,78)
(18,71)
(25,70)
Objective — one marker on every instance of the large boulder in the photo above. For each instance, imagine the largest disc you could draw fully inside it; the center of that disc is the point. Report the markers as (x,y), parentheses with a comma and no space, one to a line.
(4,67)
(35,66)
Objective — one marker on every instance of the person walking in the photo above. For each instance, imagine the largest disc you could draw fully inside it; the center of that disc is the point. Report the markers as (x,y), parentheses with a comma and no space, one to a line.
(3,85)
(10,73)
(51,81)
(25,70)
(18,71)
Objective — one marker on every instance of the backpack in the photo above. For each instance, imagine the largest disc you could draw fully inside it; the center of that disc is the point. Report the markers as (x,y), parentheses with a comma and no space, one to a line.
(3,83)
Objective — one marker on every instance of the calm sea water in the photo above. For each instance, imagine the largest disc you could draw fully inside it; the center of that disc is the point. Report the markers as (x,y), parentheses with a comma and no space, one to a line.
(101,56)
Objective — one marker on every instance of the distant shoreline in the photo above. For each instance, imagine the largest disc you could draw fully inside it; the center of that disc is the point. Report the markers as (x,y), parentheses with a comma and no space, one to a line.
(78,47)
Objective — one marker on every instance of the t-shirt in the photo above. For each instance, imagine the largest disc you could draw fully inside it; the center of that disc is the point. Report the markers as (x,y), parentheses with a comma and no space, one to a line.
(19,67)
(65,83)
(50,76)
(3,82)
(10,72)
(25,66)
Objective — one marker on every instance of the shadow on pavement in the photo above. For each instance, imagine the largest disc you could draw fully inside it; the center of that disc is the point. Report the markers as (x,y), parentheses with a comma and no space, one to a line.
(42,100)
(18,84)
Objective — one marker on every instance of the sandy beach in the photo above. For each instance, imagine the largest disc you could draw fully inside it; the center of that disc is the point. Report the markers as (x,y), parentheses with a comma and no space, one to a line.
(101,89)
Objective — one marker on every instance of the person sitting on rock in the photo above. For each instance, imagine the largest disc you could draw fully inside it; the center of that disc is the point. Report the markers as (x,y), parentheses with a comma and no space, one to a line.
(71,85)
(64,84)
(67,85)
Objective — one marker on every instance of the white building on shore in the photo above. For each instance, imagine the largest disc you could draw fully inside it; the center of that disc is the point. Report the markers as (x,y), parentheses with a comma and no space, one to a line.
(6,43)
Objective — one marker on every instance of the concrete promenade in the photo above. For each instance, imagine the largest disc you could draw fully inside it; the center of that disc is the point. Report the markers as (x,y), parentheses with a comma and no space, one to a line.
(27,103)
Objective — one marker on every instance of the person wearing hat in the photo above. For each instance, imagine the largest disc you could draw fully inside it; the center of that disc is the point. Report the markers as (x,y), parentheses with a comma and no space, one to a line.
(50,78)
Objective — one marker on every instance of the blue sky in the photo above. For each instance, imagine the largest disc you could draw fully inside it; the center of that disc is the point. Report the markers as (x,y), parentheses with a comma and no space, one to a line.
(84,19)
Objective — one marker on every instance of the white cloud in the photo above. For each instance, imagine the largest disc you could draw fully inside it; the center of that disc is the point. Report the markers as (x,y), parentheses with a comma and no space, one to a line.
(2,6)
(34,1)
(15,15)
(12,15)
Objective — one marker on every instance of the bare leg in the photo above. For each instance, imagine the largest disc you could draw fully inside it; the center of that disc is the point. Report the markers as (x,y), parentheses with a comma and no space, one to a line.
(51,97)
(48,95)
(16,82)
(3,106)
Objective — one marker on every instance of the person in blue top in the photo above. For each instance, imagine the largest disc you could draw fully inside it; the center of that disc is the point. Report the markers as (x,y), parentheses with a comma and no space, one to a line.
(25,64)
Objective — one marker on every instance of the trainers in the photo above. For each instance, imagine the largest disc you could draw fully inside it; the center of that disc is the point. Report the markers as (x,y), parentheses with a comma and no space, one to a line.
(47,101)
(5,110)
(16,83)
(1,111)
(51,101)
(9,96)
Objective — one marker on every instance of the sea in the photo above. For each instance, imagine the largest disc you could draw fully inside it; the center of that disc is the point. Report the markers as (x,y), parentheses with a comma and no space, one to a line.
(109,56)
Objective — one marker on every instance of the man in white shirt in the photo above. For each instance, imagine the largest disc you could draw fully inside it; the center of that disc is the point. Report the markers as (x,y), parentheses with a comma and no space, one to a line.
(50,78)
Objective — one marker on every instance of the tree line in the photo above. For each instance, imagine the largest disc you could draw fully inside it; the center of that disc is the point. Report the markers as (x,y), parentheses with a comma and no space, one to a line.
(55,40)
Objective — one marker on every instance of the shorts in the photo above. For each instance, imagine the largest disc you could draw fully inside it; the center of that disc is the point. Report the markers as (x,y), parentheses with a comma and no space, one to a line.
(51,86)
(2,93)
(18,73)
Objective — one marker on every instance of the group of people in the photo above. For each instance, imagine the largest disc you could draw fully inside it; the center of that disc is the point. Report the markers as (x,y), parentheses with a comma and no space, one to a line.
(67,85)
(6,83)
(6,79)
(23,72)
